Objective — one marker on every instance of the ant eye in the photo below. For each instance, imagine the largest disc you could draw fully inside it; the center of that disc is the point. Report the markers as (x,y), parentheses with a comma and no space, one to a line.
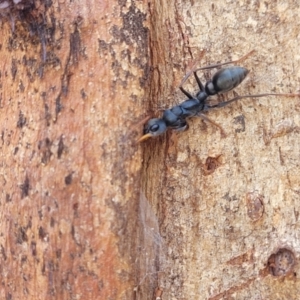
(154,128)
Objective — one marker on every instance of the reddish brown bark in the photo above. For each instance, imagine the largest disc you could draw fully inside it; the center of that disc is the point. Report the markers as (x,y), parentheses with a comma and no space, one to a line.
(72,74)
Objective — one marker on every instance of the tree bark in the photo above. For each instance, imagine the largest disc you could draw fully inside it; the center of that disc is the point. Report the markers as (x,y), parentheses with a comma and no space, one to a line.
(72,76)
(217,217)
(228,208)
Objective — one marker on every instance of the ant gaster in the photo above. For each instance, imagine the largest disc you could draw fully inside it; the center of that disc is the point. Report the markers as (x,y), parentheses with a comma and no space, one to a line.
(222,81)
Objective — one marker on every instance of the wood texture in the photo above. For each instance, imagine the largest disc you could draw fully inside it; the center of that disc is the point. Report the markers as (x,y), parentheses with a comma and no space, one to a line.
(72,76)
(228,208)
(218,218)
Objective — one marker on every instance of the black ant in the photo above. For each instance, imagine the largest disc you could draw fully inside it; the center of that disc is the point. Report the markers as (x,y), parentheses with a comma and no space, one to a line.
(223,81)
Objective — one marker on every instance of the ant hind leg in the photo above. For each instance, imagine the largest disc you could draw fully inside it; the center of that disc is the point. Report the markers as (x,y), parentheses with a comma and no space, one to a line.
(186,93)
(226,63)
(201,86)
(222,104)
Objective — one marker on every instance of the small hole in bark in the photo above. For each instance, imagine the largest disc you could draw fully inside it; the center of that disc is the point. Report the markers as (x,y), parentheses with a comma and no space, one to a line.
(281,263)
(211,164)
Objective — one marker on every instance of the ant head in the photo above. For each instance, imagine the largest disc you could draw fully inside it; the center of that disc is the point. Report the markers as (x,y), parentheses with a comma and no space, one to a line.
(153,128)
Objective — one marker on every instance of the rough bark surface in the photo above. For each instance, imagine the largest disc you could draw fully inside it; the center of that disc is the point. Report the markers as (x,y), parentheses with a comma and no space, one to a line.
(72,76)
(220,216)
(228,208)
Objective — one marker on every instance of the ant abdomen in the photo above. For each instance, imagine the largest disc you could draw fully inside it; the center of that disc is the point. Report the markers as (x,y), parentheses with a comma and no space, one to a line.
(225,80)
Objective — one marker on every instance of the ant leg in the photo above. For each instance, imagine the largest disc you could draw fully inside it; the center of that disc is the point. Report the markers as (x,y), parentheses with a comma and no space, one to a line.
(188,74)
(204,117)
(222,104)
(226,63)
(201,86)
(186,93)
